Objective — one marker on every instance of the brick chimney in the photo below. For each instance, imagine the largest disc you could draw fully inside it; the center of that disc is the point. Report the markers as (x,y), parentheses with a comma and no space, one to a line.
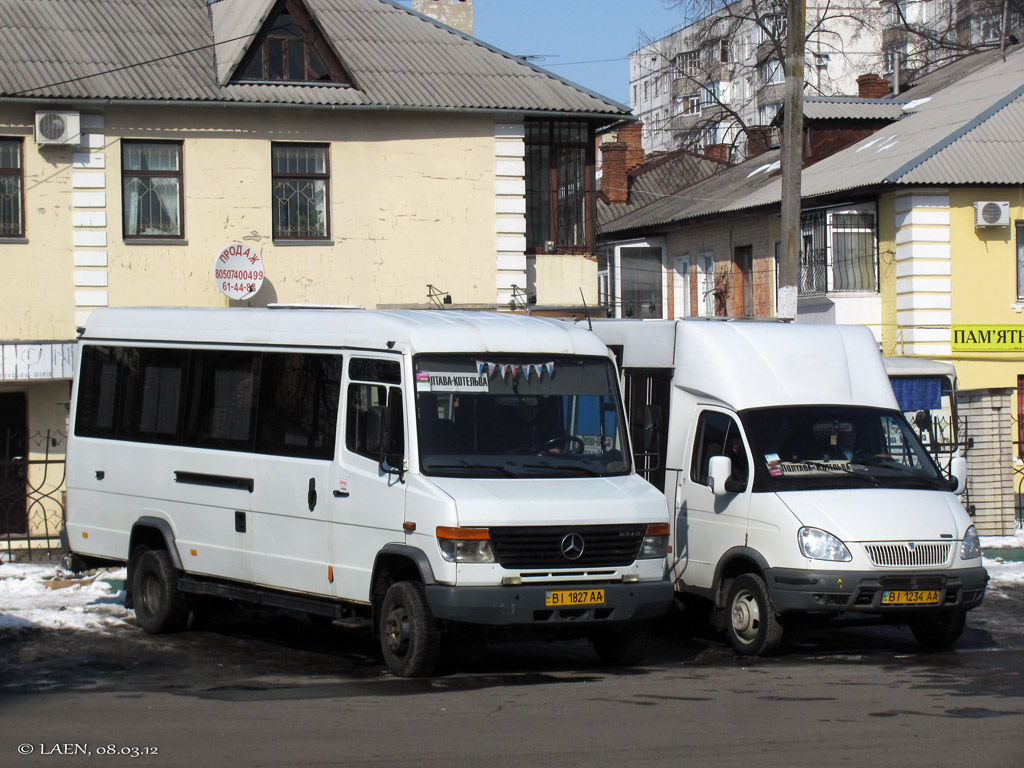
(872,86)
(717,152)
(614,177)
(632,136)
(758,140)
(457,14)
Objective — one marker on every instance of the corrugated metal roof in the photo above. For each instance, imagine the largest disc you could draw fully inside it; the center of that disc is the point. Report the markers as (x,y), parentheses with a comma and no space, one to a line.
(185,50)
(968,132)
(659,177)
(844,108)
(710,196)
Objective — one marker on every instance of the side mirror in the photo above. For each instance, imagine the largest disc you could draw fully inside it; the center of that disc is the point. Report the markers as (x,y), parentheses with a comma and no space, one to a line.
(719,472)
(958,475)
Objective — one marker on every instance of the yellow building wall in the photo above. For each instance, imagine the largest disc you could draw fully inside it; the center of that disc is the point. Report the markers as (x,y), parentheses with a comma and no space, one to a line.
(984,278)
(412,203)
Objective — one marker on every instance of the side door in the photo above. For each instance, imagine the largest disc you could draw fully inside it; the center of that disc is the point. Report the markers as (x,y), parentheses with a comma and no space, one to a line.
(293,464)
(709,525)
(368,495)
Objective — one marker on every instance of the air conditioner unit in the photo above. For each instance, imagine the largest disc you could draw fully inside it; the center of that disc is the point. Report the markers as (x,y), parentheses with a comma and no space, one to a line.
(990,214)
(58,128)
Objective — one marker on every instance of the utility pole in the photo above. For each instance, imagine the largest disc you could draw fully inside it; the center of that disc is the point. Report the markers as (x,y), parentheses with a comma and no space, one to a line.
(792,158)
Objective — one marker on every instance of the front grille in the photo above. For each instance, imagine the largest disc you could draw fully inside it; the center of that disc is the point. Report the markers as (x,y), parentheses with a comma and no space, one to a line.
(907,555)
(604,546)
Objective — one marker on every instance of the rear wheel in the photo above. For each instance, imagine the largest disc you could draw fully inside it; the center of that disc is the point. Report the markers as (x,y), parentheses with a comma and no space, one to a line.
(939,630)
(409,635)
(623,646)
(159,606)
(751,624)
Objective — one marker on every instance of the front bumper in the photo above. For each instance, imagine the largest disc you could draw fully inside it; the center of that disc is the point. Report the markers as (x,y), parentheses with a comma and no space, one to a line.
(861,591)
(525,604)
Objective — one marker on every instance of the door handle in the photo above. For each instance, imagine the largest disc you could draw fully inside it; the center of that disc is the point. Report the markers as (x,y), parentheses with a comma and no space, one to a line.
(340,494)
(311,496)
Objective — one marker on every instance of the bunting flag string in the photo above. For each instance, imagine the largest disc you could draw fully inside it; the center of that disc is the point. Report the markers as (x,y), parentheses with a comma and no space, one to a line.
(536,370)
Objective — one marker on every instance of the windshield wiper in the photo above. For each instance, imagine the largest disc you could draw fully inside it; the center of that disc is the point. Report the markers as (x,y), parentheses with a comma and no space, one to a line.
(565,468)
(467,465)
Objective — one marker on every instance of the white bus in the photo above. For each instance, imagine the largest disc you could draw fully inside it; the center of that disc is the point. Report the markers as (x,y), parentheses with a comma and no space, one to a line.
(926,393)
(426,470)
(797,487)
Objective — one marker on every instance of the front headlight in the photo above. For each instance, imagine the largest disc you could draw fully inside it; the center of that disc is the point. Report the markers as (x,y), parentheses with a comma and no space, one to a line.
(971,546)
(655,542)
(817,544)
(465,545)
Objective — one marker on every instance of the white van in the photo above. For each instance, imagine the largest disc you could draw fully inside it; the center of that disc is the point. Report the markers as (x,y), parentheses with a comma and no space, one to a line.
(427,470)
(796,485)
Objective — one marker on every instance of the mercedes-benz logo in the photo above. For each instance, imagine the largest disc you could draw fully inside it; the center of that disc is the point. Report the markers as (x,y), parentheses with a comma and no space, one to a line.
(572,546)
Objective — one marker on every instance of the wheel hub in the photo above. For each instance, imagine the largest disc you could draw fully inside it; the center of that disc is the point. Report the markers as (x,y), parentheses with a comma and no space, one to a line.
(745,617)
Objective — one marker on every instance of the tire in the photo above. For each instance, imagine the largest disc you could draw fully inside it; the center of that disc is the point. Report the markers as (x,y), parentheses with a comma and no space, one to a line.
(410,638)
(624,646)
(159,606)
(751,624)
(940,630)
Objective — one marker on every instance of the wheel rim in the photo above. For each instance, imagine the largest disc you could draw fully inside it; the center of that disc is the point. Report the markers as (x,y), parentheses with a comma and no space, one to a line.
(746,617)
(150,593)
(396,631)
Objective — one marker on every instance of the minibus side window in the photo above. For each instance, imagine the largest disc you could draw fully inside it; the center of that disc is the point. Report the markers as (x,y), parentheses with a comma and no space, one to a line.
(225,385)
(718,435)
(97,392)
(298,408)
(364,396)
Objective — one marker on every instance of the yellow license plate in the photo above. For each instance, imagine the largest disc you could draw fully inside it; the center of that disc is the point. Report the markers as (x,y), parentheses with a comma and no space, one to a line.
(912,597)
(569,597)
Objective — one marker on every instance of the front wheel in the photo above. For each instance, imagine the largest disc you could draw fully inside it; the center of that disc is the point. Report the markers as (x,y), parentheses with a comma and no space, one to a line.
(159,606)
(939,630)
(624,646)
(409,635)
(752,626)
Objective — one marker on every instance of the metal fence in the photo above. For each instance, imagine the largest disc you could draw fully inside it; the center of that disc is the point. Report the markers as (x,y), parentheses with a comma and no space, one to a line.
(31,493)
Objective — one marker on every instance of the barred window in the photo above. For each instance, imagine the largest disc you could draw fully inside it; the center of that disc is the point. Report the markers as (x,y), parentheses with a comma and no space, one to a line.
(838,250)
(559,168)
(300,191)
(151,180)
(12,185)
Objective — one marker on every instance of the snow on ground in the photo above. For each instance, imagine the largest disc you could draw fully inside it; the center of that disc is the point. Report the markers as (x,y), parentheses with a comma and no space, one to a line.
(33,595)
(44,596)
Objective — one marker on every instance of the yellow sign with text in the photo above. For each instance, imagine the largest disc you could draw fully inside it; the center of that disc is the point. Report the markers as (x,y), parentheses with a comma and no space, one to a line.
(988,338)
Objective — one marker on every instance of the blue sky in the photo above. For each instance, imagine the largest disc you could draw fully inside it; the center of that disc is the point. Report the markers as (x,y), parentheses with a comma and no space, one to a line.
(585,41)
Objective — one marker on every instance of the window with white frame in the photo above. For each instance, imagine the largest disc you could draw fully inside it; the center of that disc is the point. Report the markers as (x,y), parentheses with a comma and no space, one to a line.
(681,286)
(688,63)
(839,250)
(710,94)
(706,284)
(767,112)
(772,72)
(634,280)
(896,58)
(691,104)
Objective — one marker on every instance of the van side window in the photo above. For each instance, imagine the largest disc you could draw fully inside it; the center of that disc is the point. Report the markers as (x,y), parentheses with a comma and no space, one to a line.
(363,397)
(279,403)
(298,409)
(223,400)
(718,435)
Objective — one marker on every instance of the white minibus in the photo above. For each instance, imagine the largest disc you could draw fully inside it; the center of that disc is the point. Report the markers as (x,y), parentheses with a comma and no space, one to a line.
(426,470)
(797,489)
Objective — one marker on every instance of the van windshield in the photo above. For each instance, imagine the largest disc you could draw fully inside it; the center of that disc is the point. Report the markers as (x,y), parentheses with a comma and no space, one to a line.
(816,447)
(505,415)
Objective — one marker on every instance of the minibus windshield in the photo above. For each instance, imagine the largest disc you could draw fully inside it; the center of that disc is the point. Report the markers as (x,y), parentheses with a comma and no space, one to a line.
(821,446)
(508,415)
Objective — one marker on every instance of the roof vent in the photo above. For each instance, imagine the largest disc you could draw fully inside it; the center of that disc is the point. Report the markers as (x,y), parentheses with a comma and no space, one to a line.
(58,128)
(991,214)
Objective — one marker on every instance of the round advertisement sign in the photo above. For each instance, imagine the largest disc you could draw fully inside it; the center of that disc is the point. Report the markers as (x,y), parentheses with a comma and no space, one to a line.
(238,271)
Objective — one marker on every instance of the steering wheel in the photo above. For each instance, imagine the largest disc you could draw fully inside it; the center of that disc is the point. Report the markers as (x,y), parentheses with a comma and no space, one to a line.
(570,443)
